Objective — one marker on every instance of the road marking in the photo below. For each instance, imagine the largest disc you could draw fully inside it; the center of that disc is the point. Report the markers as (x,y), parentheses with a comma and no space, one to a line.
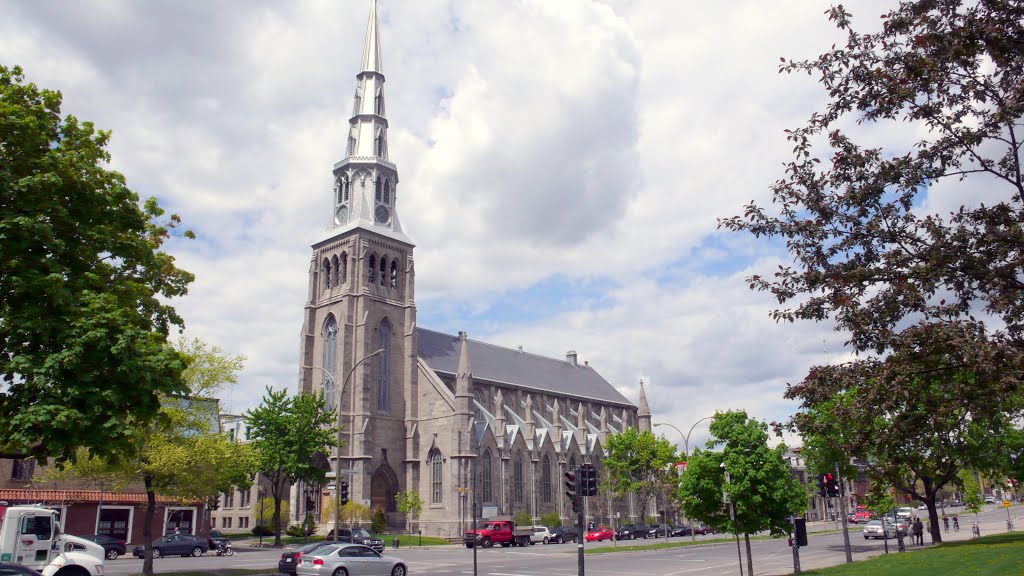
(700,569)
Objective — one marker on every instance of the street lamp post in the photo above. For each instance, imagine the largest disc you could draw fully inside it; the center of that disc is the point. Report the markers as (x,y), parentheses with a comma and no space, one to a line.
(686,454)
(337,463)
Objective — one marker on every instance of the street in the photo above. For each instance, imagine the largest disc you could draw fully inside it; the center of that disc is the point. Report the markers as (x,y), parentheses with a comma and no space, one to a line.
(771,557)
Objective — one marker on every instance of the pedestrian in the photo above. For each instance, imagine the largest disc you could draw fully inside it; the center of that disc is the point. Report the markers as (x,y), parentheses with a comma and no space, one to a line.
(956,523)
(919,532)
(945,523)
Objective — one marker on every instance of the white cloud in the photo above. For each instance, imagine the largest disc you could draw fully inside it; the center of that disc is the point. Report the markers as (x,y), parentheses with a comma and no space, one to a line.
(535,140)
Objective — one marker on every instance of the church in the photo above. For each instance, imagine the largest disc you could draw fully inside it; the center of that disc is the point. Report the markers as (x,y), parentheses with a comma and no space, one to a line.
(457,420)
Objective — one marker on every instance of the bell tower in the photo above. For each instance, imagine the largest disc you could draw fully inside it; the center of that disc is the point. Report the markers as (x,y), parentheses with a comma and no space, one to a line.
(358,341)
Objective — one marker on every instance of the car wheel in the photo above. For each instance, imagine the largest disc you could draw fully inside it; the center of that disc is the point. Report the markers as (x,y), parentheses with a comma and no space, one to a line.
(157,553)
(468,545)
(545,540)
(341,572)
(487,543)
(197,552)
(505,544)
(575,539)
(111,554)
(398,570)
(558,540)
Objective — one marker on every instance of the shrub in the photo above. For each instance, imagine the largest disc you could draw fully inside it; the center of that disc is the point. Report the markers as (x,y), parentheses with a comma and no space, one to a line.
(522,518)
(379,523)
(296,530)
(552,520)
(258,530)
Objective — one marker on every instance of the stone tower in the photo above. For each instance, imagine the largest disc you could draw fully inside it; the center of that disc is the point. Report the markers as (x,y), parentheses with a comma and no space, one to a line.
(361,300)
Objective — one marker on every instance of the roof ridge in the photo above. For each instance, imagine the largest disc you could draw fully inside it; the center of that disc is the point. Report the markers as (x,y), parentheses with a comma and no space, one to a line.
(516,350)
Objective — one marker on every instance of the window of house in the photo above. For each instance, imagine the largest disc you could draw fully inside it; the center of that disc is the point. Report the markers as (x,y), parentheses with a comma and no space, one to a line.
(23,469)
(487,478)
(373,268)
(387,191)
(325,270)
(436,483)
(225,522)
(378,190)
(545,479)
(229,499)
(244,498)
(380,144)
(383,270)
(394,273)
(383,365)
(344,267)
(336,278)
(378,102)
(517,479)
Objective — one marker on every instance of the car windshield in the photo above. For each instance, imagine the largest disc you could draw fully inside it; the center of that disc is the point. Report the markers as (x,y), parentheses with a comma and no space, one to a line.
(360,532)
(874,523)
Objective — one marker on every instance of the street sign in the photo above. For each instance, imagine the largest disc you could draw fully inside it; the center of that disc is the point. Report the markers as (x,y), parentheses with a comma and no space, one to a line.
(1006,503)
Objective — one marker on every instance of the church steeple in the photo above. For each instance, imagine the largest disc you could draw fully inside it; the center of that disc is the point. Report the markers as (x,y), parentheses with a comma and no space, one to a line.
(366,181)
(644,411)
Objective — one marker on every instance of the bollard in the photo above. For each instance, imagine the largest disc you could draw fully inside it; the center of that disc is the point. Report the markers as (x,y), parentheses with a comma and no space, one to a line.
(394,543)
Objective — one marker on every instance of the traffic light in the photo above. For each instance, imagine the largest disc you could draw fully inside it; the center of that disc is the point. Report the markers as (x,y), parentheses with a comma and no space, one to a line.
(588,480)
(822,486)
(215,504)
(831,485)
(343,493)
(570,489)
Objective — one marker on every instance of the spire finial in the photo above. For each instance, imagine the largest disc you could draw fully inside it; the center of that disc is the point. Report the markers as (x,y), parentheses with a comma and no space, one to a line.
(371,45)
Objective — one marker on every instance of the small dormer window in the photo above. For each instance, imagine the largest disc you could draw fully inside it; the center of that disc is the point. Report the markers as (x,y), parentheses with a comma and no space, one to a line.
(373,268)
(378,190)
(387,191)
(379,144)
(378,102)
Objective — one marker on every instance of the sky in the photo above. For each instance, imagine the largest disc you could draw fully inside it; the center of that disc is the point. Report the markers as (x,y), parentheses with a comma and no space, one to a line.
(563,165)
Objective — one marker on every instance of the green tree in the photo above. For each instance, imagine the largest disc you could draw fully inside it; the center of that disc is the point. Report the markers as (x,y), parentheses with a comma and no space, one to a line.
(410,504)
(940,401)
(522,518)
(756,479)
(84,287)
(379,525)
(351,513)
(639,463)
(287,434)
(880,500)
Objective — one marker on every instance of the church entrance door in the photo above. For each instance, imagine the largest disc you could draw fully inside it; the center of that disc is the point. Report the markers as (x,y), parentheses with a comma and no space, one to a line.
(383,488)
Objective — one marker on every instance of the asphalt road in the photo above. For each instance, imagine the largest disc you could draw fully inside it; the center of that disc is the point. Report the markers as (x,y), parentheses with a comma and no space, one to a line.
(771,557)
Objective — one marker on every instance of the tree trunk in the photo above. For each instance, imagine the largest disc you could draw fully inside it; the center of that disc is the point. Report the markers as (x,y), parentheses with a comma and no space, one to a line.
(750,559)
(933,515)
(147,527)
(277,518)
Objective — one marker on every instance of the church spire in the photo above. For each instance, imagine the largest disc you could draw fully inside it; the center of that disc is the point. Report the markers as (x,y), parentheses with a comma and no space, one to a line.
(371,44)
(366,181)
(644,411)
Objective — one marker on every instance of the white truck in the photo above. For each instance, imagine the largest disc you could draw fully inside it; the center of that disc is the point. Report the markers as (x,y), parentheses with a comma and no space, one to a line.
(31,536)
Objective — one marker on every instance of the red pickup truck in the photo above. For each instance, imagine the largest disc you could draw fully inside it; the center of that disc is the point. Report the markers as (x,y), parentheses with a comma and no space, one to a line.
(498,531)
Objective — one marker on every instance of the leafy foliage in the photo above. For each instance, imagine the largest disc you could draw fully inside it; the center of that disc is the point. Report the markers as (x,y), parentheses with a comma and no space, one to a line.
(522,518)
(640,463)
(552,520)
(410,504)
(84,319)
(288,433)
(379,524)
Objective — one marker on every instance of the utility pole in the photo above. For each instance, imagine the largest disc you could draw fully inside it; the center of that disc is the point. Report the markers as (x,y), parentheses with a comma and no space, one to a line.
(795,542)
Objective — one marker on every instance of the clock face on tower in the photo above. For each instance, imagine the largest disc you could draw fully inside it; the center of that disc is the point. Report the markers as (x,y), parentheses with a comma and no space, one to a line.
(341,214)
(382,214)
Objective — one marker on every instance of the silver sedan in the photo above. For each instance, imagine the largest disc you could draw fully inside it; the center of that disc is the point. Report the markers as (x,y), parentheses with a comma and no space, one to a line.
(349,560)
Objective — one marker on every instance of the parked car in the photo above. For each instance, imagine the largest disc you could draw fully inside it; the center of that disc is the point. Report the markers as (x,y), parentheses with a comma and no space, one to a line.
(633,531)
(112,545)
(564,534)
(902,525)
(540,534)
(862,515)
(956,503)
(217,537)
(704,530)
(922,506)
(352,559)
(659,530)
(357,536)
(290,559)
(600,533)
(875,529)
(681,531)
(175,545)
(499,530)
(990,500)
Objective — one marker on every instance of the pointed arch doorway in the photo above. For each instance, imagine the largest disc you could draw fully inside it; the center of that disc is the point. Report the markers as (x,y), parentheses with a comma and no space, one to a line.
(383,488)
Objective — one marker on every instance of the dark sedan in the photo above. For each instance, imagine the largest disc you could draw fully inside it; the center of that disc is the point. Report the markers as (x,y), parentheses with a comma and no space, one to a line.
(112,545)
(659,530)
(564,534)
(632,532)
(175,545)
(290,559)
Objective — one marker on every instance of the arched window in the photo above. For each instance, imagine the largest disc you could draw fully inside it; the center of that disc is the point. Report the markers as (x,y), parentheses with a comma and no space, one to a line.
(383,365)
(373,268)
(330,359)
(380,144)
(486,474)
(481,400)
(343,190)
(378,102)
(344,267)
(384,270)
(394,273)
(572,464)
(377,190)
(325,271)
(387,191)
(358,103)
(436,484)
(517,479)
(336,272)
(545,479)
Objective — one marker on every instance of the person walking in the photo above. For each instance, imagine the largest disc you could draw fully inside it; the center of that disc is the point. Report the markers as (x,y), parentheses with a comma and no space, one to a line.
(945,523)
(918,532)
(956,523)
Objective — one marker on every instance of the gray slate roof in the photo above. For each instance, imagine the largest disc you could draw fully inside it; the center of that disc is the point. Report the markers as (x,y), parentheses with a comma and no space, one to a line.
(520,369)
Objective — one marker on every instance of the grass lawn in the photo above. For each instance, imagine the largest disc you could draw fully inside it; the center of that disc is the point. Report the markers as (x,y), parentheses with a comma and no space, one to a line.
(675,543)
(998,555)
